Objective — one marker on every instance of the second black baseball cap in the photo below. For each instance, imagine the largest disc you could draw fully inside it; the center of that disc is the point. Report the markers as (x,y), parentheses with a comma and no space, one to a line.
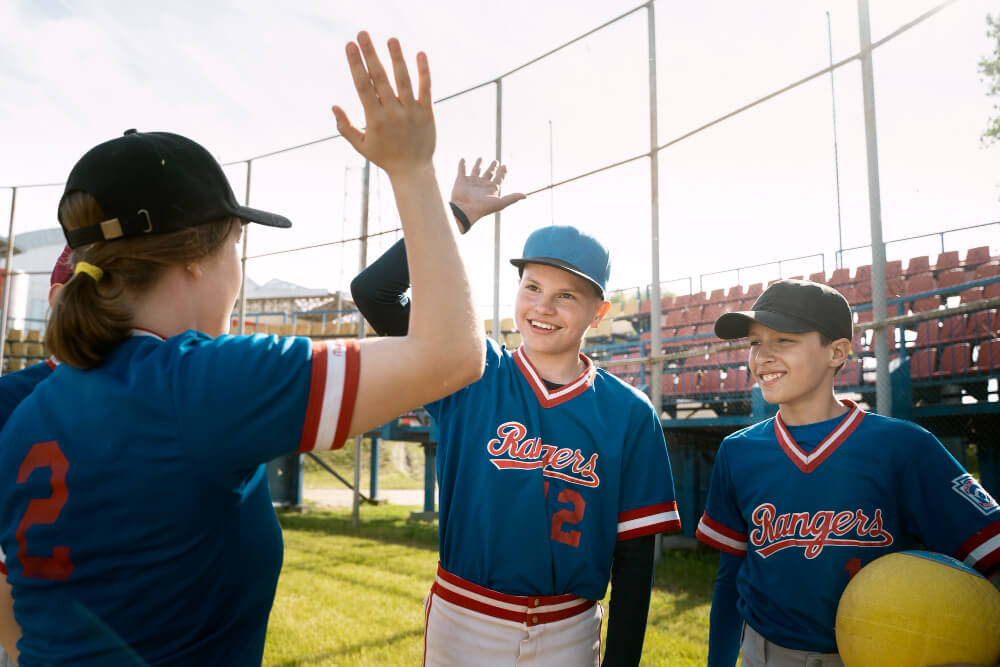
(154,183)
(793,306)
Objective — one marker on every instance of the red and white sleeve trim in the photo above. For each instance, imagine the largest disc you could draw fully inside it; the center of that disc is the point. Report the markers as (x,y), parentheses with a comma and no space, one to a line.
(3,563)
(714,534)
(982,550)
(333,388)
(650,520)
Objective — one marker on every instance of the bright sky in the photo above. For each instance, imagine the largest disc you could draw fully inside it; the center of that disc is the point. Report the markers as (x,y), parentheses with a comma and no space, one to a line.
(249,77)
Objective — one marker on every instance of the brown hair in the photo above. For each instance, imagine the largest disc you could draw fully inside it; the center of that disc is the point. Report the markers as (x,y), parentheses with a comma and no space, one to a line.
(90,317)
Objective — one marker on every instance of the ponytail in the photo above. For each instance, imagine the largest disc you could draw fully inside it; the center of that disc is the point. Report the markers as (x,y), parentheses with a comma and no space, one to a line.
(93,311)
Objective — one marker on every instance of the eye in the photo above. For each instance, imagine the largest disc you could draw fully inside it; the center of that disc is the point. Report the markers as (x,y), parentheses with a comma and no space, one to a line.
(754,343)
(531,288)
(566,295)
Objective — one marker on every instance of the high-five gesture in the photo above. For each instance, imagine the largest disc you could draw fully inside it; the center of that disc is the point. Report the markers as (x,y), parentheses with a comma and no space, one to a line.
(399,129)
(478,195)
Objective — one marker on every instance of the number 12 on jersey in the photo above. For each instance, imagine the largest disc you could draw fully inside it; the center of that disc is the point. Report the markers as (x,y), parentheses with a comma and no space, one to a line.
(569,517)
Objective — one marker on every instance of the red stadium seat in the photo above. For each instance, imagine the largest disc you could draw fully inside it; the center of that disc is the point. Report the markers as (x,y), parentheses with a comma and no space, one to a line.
(923,363)
(754,291)
(928,333)
(687,383)
(982,325)
(711,381)
(644,306)
(737,380)
(955,360)
(818,277)
(977,256)
(735,292)
(863,274)
(717,295)
(676,317)
(894,268)
(921,264)
(850,374)
(992,290)
(682,300)
(712,311)
(926,304)
(685,332)
(951,277)
(946,260)
(989,356)
(953,329)
(667,302)
(840,277)
(972,294)
(987,270)
(698,299)
(919,283)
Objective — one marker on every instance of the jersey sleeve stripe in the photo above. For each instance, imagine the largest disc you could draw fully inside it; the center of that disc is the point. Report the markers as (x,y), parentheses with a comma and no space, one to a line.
(716,535)
(982,550)
(650,520)
(332,389)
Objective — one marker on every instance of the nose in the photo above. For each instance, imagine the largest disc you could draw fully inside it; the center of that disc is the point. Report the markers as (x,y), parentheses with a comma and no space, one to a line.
(545,304)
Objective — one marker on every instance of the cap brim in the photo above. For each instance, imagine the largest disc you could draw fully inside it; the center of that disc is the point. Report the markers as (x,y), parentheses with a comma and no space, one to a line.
(737,324)
(559,264)
(262,217)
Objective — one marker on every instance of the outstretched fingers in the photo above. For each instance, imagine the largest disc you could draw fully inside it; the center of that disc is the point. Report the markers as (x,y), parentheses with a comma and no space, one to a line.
(403,86)
(475,167)
(491,170)
(362,81)
(379,78)
(424,80)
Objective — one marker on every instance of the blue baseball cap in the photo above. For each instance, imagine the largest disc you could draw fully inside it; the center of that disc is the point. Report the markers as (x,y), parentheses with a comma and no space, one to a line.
(569,249)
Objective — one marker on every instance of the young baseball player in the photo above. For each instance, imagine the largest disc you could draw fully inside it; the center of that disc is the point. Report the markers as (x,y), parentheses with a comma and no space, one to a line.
(14,387)
(800,502)
(553,474)
(134,510)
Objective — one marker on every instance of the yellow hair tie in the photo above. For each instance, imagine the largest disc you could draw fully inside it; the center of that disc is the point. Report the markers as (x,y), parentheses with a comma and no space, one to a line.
(94,272)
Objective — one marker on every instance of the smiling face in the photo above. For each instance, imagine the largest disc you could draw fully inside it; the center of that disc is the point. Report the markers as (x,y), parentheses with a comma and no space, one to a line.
(554,308)
(794,369)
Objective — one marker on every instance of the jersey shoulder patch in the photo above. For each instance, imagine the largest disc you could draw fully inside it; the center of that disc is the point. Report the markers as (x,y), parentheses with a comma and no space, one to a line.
(967,487)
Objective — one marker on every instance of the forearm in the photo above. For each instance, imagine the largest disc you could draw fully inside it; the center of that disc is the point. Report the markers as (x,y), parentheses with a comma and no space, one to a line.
(725,623)
(379,292)
(442,311)
(631,585)
(10,631)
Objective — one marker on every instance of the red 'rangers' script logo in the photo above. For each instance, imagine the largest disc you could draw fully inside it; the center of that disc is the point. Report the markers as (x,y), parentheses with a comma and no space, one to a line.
(523,453)
(816,530)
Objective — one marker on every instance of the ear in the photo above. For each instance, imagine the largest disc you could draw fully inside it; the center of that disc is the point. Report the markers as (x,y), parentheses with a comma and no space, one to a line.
(602,310)
(840,350)
(194,270)
(53,290)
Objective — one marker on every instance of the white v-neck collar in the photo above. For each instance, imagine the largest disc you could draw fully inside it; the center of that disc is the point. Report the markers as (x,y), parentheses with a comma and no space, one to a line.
(809,462)
(549,398)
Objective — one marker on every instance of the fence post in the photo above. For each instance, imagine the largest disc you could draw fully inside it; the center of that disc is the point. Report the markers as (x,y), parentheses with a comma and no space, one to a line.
(496,219)
(243,282)
(655,306)
(883,389)
(7,276)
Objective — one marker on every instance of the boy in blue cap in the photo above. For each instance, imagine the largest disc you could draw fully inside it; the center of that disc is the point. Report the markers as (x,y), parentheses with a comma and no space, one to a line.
(801,501)
(553,473)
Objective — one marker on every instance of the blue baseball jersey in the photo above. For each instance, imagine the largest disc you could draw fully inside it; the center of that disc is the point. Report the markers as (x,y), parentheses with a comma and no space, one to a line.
(537,486)
(14,387)
(808,506)
(134,510)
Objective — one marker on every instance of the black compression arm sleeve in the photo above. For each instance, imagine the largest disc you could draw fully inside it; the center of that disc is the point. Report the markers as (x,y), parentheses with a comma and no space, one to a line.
(380,292)
(631,584)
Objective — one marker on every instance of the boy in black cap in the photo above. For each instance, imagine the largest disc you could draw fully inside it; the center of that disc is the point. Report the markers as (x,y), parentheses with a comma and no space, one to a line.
(800,502)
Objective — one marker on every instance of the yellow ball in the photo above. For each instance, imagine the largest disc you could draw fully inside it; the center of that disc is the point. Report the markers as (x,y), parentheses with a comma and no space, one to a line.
(918,608)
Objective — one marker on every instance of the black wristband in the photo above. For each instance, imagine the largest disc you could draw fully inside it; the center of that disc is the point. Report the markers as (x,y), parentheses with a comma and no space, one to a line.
(463,220)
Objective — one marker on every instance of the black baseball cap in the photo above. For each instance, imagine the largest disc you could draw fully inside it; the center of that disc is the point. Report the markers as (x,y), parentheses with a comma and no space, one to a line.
(154,183)
(793,306)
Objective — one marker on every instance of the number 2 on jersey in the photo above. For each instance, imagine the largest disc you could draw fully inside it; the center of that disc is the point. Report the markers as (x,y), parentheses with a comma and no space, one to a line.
(40,511)
(567,516)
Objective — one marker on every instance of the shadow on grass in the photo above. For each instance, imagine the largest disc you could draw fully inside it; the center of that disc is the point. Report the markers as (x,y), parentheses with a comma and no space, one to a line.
(326,656)
(324,571)
(391,526)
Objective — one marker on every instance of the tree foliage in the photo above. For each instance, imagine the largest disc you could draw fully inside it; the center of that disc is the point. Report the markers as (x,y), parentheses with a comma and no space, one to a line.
(989,67)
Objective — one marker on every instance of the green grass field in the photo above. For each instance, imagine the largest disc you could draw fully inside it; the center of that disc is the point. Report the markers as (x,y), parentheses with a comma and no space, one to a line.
(351,596)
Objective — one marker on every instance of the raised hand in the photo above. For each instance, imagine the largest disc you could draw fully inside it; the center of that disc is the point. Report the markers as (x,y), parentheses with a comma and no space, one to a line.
(399,132)
(479,194)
